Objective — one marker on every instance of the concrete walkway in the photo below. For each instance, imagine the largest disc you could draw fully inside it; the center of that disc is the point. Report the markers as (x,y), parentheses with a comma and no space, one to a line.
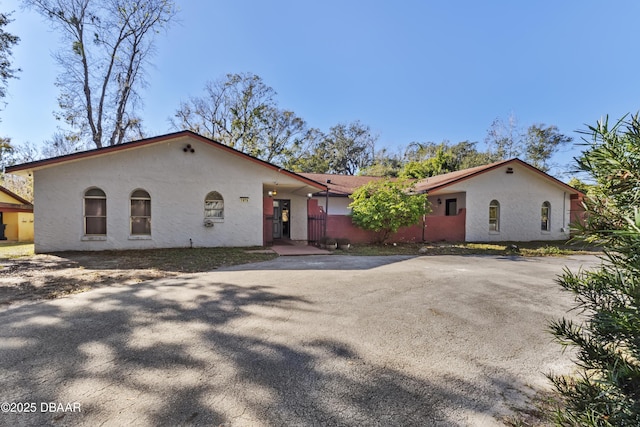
(295,250)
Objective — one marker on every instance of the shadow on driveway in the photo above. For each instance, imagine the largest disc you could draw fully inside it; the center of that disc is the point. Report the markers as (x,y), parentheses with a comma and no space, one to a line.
(322,262)
(194,352)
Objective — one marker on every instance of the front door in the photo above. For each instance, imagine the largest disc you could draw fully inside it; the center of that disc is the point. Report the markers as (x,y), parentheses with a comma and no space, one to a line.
(277,220)
(281,219)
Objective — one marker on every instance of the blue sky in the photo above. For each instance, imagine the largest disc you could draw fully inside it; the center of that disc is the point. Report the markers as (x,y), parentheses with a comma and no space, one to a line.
(412,70)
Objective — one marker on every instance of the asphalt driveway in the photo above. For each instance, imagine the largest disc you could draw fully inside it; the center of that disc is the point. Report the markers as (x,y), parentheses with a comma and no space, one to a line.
(321,340)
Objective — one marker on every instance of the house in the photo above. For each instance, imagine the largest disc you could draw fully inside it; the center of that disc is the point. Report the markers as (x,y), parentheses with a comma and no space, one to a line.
(184,190)
(16,217)
(175,190)
(508,200)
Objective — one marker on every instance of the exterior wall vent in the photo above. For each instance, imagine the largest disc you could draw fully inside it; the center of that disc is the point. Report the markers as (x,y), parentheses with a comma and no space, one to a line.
(509,170)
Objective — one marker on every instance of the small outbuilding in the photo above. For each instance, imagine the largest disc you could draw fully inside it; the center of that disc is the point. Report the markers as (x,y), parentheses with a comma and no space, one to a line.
(16,217)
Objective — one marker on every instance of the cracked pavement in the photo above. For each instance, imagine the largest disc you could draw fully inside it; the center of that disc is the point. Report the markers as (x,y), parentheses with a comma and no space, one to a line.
(319,340)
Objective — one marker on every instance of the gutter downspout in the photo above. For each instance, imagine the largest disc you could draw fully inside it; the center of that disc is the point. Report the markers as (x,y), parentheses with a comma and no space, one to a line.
(326,213)
(564,212)
(424,221)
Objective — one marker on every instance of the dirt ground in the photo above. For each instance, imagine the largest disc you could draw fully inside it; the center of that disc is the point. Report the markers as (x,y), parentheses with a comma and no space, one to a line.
(49,276)
(26,277)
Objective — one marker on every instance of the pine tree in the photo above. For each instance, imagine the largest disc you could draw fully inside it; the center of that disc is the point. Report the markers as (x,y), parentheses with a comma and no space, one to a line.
(606,390)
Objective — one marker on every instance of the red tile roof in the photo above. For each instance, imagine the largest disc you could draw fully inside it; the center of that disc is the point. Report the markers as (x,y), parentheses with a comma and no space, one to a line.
(344,185)
(440,181)
(340,185)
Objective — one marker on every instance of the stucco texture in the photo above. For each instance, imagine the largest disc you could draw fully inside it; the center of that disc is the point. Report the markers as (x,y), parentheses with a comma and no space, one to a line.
(521,195)
(177,182)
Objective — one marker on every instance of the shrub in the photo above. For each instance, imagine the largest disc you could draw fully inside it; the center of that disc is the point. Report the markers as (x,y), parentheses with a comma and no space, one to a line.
(606,392)
(384,206)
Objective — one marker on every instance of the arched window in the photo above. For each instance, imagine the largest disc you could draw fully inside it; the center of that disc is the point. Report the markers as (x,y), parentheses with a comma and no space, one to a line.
(545,217)
(494,216)
(95,212)
(214,206)
(140,213)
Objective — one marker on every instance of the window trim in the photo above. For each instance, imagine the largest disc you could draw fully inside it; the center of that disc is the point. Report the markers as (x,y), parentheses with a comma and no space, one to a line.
(494,205)
(85,197)
(545,228)
(147,198)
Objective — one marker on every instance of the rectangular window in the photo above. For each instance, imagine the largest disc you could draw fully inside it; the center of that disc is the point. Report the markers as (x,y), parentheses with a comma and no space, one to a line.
(140,216)
(493,218)
(544,223)
(451,207)
(95,213)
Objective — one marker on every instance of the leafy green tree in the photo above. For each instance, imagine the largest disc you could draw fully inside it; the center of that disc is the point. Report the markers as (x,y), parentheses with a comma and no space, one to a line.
(427,159)
(467,156)
(419,151)
(443,161)
(346,149)
(385,164)
(349,148)
(309,154)
(384,206)
(7,41)
(417,170)
(283,132)
(106,47)
(580,185)
(606,391)
(541,142)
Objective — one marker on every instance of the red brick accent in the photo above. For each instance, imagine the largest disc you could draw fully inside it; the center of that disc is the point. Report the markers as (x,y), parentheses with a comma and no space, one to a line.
(313,208)
(578,214)
(448,228)
(267,224)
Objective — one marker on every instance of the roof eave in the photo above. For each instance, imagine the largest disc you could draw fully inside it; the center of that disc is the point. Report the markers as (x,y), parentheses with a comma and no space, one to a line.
(28,168)
(495,166)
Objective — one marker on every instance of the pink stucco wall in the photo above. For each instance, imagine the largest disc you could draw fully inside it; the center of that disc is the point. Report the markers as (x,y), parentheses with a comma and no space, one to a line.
(438,228)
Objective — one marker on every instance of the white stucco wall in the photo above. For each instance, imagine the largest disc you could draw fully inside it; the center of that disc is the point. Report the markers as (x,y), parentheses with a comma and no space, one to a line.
(177,183)
(521,196)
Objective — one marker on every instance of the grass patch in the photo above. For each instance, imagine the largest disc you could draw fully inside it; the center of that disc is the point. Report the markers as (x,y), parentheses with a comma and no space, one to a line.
(15,250)
(499,248)
(175,260)
(183,260)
